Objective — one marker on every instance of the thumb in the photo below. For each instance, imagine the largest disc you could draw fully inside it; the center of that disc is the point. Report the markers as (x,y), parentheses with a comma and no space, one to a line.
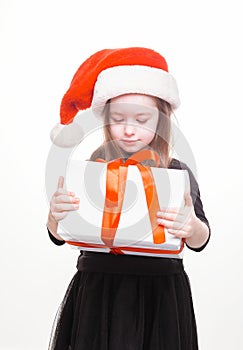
(188,199)
(60,182)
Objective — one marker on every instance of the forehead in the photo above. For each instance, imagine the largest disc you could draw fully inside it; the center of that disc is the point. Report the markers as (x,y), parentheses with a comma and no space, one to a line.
(133,102)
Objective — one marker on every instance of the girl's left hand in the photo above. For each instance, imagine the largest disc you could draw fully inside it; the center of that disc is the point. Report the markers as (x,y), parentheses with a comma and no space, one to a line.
(181,222)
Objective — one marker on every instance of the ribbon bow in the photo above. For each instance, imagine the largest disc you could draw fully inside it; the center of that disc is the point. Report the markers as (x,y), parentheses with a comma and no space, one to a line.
(116,176)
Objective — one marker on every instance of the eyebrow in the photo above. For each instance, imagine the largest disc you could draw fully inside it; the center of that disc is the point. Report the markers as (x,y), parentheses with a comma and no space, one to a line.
(136,115)
(116,113)
(144,113)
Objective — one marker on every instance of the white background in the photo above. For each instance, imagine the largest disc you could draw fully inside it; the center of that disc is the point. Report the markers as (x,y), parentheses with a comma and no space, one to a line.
(42,45)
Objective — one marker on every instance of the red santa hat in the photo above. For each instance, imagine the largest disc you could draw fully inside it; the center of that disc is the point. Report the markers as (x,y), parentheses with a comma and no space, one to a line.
(107,74)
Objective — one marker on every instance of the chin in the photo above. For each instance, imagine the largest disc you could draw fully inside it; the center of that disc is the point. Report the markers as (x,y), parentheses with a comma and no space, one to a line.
(131,149)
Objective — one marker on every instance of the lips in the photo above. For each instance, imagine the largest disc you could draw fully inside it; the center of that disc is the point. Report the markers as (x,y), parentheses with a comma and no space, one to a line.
(129,141)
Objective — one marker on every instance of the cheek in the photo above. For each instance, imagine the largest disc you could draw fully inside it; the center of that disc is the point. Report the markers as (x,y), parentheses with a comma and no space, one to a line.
(148,136)
(115,131)
(148,133)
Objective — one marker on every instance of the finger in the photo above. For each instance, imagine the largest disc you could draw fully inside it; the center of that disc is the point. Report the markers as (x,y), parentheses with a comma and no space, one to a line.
(60,182)
(170,224)
(178,233)
(170,210)
(61,191)
(65,198)
(65,207)
(60,188)
(188,200)
(171,216)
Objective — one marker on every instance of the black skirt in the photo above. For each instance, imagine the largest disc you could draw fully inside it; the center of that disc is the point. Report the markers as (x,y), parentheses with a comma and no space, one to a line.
(126,311)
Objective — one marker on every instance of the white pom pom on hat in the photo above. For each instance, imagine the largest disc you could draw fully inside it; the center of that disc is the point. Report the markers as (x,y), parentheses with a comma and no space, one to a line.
(67,135)
(107,74)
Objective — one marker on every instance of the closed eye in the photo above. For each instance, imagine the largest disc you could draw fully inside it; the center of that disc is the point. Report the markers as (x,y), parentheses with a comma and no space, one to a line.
(117,120)
(142,121)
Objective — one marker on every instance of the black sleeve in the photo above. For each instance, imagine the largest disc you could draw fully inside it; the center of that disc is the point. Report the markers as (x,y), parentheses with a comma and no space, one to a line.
(196,198)
(54,239)
(198,207)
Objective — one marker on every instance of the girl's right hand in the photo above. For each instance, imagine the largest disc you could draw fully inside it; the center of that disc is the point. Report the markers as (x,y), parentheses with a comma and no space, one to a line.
(62,201)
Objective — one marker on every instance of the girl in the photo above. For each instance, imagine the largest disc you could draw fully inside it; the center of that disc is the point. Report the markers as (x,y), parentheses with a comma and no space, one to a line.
(125,302)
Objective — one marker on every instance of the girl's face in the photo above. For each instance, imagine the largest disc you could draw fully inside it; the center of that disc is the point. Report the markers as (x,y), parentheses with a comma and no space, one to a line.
(133,121)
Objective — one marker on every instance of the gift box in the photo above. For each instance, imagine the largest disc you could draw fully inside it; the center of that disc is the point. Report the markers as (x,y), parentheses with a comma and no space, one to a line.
(118,205)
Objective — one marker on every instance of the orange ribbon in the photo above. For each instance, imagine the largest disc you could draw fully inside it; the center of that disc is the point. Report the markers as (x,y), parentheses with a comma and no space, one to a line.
(121,250)
(116,176)
(115,186)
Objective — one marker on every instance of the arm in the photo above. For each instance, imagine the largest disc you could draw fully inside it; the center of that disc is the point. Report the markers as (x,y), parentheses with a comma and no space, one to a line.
(183,223)
(196,231)
(61,203)
(52,226)
(200,236)
(189,222)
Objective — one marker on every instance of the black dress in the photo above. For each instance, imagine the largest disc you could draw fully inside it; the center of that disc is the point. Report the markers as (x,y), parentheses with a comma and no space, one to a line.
(124,302)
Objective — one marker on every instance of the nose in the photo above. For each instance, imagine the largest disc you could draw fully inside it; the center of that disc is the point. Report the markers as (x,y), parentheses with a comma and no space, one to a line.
(129,129)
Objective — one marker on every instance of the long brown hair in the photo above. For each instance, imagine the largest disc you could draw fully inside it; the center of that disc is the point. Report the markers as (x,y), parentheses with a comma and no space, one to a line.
(160,142)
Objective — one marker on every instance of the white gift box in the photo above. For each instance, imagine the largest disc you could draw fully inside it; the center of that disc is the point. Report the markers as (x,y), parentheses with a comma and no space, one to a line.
(82,228)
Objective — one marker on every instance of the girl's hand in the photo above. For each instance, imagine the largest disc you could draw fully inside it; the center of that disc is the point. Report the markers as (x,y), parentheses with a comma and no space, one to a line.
(182,222)
(62,201)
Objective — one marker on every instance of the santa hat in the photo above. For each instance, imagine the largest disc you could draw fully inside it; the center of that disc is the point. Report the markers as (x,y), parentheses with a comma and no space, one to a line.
(107,74)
